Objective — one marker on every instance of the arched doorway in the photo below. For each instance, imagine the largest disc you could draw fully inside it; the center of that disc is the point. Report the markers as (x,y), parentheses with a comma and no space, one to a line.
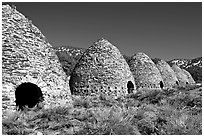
(28,94)
(130,87)
(161,84)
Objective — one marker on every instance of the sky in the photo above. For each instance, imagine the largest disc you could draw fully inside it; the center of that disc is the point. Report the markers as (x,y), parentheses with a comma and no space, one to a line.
(168,30)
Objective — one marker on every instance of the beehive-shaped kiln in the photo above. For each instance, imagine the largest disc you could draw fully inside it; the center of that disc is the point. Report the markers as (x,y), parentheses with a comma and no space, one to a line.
(168,75)
(190,78)
(28,57)
(145,72)
(181,76)
(101,69)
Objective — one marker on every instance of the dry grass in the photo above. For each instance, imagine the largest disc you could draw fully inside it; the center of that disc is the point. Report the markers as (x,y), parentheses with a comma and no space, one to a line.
(172,112)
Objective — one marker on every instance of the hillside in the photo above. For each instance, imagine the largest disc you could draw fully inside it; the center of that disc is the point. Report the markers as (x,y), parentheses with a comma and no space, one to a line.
(194,66)
(68,57)
(186,63)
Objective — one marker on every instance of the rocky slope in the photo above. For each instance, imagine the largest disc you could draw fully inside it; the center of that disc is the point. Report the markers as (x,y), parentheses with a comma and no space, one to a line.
(28,57)
(194,66)
(187,63)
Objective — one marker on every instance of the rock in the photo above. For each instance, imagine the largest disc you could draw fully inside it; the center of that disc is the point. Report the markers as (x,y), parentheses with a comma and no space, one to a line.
(69,131)
(145,72)
(28,57)
(150,115)
(101,69)
(39,133)
(10,115)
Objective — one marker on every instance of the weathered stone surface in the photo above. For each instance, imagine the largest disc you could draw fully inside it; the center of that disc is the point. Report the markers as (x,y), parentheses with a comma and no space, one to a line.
(181,76)
(168,75)
(101,69)
(190,78)
(28,57)
(145,72)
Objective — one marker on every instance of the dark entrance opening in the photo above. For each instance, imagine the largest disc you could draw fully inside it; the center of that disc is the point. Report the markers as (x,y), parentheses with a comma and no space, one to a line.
(161,84)
(186,82)
(130,87)
(177,83)
(28,94)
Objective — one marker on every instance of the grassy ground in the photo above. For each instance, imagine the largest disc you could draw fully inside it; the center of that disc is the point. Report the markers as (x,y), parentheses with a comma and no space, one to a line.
(171,112)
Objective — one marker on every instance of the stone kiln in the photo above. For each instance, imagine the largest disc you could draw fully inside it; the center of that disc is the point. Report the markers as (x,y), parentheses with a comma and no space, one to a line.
(28,57)
(181,76)
(145,72)
(102,69)
(168,75)
(190,78)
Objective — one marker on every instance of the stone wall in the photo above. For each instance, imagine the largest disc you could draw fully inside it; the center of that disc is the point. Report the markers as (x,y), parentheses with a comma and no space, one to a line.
(145,72)
(190,78)
(28,57)
(168,75)
(101,69)
(181,76)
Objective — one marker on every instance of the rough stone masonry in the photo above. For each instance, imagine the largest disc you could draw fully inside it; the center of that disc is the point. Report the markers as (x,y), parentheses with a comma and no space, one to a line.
(102,69)
(145,72)
(28,57)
